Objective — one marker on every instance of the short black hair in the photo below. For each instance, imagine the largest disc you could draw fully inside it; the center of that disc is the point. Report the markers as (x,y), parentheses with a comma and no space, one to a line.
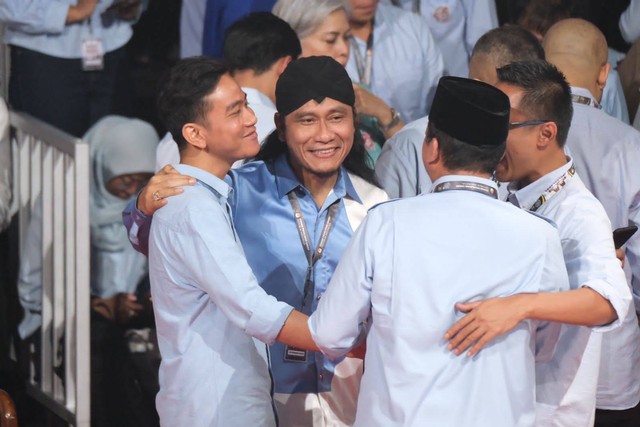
(182,96)
(547,95)
(460,156)
(509,43)
(257,41)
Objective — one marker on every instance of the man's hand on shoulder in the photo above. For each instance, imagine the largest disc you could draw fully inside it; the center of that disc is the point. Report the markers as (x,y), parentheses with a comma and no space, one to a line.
(167,182)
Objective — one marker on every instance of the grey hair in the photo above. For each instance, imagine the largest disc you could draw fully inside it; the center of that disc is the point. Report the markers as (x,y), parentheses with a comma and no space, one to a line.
(305,16)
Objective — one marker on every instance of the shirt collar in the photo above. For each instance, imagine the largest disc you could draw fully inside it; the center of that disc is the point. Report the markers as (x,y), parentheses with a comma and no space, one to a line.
(213,182)
(286,181)
(527,196)
(586,95)
(254,96)
(468,178)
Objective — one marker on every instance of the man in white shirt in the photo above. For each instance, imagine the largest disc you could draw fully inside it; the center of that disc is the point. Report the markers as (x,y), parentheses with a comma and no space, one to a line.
(394,55)
(543,180)
(402,271)
(257,49)
(456,26)
(606,153)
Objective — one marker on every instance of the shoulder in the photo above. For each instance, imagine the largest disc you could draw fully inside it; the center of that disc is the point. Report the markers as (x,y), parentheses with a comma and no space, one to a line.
(195,204)
(368,193)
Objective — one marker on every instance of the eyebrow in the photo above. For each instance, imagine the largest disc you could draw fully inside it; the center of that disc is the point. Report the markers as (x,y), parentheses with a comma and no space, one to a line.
(235,104)
(312,113)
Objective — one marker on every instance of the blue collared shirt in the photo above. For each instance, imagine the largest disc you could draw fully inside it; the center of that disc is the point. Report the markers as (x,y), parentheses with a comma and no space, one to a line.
(40,25)
(266,226)
(407,265)
(407,63)
(208,305)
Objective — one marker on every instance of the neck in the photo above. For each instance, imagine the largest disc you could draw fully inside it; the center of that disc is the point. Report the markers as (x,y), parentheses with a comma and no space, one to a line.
(435,173)
(361,30)
(318,185)
(201,160)
(553,162)
(265,83)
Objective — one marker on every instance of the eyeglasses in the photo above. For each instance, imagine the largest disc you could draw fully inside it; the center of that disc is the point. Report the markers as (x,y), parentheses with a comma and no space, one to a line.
(516,125)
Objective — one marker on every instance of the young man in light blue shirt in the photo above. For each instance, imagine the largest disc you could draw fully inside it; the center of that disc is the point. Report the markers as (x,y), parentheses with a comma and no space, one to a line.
(207,302)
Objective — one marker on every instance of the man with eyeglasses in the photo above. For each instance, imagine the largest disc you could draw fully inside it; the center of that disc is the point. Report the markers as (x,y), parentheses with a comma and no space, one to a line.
(543,180)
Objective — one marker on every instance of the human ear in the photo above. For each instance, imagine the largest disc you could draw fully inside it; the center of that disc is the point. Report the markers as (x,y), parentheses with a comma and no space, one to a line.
(193,134)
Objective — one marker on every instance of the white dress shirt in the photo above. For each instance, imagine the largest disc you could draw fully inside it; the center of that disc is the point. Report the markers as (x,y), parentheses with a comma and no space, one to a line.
(208,305)
(456,26)
(606,153)
(407,63)
(260,104)
(5,167)
(613,102)
(566,390)
(405,268)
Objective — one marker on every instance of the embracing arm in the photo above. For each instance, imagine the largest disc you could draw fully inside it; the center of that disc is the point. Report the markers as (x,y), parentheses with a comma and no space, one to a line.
(138,214)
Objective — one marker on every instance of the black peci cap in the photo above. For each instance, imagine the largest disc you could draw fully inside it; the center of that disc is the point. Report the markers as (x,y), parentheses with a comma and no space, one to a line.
(314,77)
(471,111)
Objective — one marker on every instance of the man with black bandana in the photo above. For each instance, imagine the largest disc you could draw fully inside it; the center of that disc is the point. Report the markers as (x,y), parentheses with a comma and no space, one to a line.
(313,186)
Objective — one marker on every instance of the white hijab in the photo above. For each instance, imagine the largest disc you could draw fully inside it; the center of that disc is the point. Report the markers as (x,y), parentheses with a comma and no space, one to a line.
(118,146)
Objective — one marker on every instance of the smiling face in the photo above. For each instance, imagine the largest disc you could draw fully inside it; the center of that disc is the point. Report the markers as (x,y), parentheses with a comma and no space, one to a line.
(229,125)
(331,38)
(522,157)
(319,137)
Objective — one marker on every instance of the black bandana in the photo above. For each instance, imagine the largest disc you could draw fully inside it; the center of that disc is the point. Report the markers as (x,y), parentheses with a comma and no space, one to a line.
(315,77)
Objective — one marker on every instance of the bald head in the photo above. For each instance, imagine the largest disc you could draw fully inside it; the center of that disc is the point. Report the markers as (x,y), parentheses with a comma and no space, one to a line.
(499,47)
(579,50)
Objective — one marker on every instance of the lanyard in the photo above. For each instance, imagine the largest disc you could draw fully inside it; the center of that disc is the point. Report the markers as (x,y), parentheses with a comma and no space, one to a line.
(476,187)
(312,256)
(553,189)
(364,65)
(585,100)
(415,8)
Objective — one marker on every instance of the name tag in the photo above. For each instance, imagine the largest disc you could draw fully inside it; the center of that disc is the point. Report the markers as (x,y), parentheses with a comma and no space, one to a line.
(292,354)
(92,55)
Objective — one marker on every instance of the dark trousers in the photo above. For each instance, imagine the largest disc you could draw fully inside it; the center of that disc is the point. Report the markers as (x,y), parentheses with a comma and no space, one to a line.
(57,91)
(624,418)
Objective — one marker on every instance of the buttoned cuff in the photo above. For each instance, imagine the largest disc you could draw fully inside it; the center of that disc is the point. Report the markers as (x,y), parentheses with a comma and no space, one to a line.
(267,319)
(620,303)
(55,17)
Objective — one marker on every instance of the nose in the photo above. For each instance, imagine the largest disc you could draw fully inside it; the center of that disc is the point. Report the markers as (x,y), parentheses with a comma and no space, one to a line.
(342,51)
(325,134)
(250,119)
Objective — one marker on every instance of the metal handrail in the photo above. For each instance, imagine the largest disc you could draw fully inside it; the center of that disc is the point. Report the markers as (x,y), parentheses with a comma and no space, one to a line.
(52,168)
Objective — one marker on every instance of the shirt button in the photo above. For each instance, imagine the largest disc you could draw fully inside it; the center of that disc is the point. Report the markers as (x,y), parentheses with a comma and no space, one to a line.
(321,377)
(318,297)
(300,191)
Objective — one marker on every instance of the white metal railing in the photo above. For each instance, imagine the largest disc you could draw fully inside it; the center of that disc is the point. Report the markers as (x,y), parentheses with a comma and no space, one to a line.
(52,168)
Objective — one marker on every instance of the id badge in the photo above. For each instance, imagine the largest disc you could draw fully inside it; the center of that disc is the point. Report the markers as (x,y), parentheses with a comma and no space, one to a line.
(92,55)
(292,354)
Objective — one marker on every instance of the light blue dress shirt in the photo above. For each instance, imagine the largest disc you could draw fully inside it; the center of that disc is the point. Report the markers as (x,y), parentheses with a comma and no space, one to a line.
(207,305)
(567,384)
(407,63)
(39,25)
(406,267)
(400,169)
(266,226)
(456,26)
(613,102)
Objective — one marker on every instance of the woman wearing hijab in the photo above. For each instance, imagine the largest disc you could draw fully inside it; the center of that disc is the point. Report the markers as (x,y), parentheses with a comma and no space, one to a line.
(122,154)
